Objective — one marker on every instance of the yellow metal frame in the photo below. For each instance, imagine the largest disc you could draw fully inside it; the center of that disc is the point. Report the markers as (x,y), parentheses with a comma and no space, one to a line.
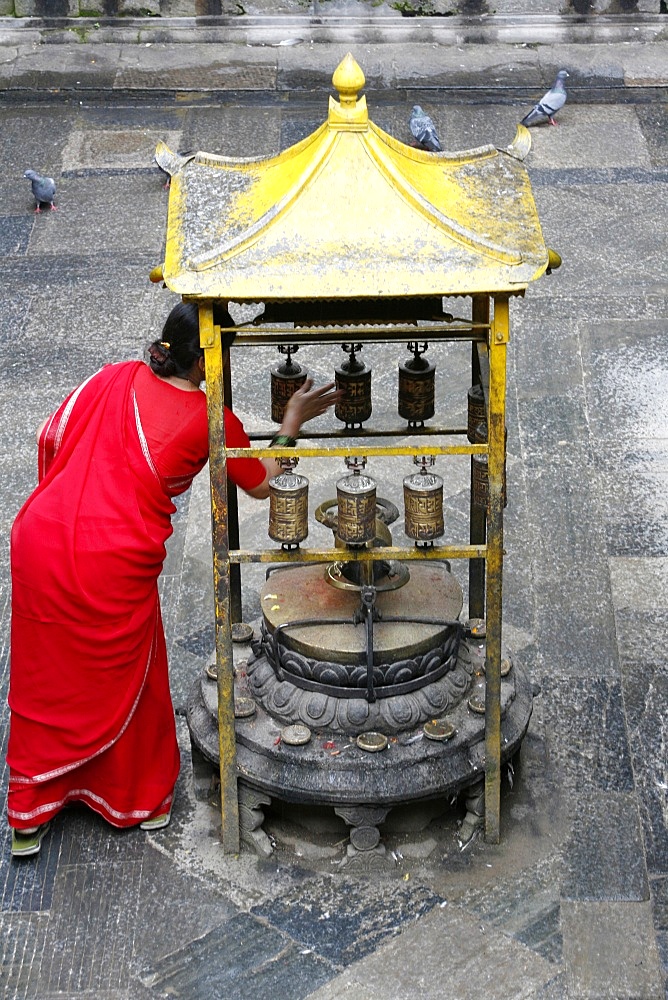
(487,552)
(352,213)
(215,397)
(496,433)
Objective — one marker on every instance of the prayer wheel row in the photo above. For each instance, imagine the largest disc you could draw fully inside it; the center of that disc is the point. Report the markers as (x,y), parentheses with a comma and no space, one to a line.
(416,398)
(288,509)
(356,493)
(356,508)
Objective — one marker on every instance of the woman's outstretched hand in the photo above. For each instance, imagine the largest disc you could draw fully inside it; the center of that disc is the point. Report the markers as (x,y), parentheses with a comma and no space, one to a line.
(303,405)
(307,402)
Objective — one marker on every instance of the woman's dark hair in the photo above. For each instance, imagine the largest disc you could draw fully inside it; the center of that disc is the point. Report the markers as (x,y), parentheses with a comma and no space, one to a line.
(178,348)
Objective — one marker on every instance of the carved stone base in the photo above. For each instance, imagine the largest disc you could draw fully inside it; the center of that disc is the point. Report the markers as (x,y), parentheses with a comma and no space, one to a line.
(251,818)
(332,770)
(362,862)
(473,822)
(365,852)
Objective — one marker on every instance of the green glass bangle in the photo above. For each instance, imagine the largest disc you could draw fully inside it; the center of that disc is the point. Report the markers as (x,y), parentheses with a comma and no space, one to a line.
(282,441)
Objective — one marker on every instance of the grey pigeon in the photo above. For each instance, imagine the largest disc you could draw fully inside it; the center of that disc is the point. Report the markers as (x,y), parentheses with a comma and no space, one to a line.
(43,189)
(424,131)
(548,105)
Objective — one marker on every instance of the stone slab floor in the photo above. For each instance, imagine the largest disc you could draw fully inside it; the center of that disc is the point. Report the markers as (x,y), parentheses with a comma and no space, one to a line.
(574,901)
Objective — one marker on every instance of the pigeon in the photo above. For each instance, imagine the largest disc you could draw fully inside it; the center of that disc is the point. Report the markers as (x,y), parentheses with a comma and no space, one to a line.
(548,105)
(43,189)
(424,131)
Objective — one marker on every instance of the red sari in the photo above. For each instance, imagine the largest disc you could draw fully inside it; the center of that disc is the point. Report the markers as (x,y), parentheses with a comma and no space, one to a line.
(91,712)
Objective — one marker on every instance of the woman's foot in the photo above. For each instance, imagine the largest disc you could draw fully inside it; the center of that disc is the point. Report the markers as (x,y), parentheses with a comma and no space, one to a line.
(157,822)
(29,841)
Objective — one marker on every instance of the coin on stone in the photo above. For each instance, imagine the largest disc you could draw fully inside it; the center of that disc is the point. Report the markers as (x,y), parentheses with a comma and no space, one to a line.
(243,707)
(477,704)
(439,729)
(295,736)
(477,627)
(371,742)
(212,671)
(241,632)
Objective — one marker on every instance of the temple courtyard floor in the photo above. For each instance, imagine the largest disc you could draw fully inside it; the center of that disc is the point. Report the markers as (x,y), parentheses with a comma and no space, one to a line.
(573,901)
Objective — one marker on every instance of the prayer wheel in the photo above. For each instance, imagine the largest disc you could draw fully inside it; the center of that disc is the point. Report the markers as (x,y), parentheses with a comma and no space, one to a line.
(416,387)
(288,507)
(480,481)
(479,471)
(423,503)
(286,378)
(477,414)
(479,435)
(356,509)
(353,378)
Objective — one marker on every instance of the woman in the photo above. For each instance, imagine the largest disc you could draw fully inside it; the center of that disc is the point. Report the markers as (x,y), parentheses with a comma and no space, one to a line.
(91,712)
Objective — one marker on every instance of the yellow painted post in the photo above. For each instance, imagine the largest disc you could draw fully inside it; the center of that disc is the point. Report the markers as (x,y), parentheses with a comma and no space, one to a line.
(477,515)
(232,516)
(499,335)
(229,803)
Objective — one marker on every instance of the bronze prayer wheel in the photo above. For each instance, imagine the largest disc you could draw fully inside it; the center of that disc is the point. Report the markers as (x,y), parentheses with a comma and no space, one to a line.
(288,508)
(477,413)
(353,378)
(416,390)
(479,435)
(286,378)
(479,481)
(479,470)
(423,506)
(356,509)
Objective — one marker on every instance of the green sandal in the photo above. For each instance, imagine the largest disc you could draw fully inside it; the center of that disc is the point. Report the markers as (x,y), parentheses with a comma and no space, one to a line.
(25,844)
(157,822)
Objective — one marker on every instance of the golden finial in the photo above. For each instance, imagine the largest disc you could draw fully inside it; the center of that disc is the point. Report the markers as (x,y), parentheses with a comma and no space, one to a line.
(349,113)
(348,79)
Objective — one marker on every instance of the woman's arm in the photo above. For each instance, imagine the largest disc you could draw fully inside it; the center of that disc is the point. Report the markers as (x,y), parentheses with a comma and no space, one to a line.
(303,405)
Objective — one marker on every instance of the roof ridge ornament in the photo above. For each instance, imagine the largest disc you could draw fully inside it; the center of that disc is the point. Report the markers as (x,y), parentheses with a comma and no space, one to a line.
(350,112)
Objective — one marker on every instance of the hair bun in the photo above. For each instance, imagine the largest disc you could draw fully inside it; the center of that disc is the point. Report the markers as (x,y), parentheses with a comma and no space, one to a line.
(158,353)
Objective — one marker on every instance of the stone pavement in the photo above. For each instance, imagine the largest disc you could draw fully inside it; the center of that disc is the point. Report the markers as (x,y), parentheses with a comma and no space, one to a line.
(573,903)
(283,53)
(96,9)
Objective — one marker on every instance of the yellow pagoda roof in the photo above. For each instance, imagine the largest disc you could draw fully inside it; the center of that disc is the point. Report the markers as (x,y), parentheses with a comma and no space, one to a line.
(351,212)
